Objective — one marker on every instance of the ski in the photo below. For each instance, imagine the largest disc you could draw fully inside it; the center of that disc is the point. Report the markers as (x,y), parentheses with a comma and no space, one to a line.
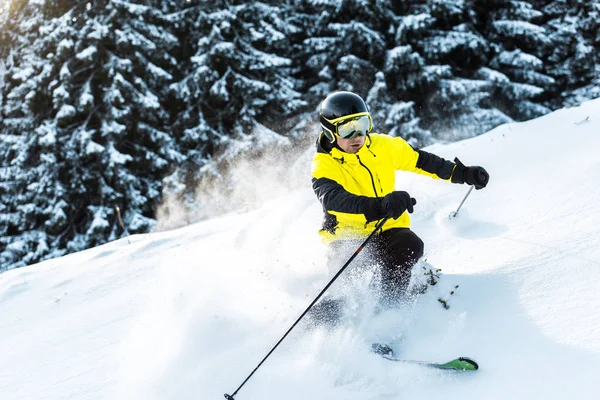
(459,364)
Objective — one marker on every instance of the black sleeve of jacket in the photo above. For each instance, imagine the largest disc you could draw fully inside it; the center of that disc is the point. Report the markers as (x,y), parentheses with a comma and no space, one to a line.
(434,164)
(334,197)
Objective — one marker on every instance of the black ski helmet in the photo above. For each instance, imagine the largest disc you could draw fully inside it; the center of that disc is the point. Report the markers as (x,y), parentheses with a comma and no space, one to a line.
(338,105)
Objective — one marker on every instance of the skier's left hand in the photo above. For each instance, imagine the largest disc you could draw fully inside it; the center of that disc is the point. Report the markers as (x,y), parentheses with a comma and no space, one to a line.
(477,176)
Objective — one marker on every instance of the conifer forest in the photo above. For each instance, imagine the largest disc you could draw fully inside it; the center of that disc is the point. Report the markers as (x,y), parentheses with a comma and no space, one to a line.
(110,105)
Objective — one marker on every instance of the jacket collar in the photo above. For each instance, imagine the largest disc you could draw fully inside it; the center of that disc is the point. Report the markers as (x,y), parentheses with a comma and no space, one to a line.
(325,146)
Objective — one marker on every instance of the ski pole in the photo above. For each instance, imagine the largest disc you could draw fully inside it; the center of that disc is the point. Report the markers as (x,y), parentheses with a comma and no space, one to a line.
(453,214)
(360,248)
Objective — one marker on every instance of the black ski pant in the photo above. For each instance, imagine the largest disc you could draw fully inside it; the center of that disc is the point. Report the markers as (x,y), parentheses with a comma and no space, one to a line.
(395,252)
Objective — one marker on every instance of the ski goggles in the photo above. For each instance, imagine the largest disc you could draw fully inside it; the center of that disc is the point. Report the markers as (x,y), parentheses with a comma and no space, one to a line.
(351,126)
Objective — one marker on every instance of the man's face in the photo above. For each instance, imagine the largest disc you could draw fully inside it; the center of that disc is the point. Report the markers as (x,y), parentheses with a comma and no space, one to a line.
(351,145)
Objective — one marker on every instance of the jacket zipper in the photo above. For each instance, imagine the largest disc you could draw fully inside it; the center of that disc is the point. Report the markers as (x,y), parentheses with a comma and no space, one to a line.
(370,174)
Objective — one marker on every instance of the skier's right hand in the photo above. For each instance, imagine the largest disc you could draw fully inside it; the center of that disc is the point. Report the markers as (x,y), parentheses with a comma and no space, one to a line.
(395,203)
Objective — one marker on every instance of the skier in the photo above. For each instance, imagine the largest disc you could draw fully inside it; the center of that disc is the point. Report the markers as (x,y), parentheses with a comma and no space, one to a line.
(353,175)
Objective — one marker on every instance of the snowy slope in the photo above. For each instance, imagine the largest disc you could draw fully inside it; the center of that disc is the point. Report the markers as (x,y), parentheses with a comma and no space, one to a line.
(187,314)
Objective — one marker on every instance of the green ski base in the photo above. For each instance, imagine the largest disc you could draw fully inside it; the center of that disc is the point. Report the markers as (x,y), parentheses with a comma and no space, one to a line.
(459,364)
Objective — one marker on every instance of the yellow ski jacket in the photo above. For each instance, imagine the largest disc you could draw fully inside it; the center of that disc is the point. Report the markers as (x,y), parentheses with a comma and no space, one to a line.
(350,186)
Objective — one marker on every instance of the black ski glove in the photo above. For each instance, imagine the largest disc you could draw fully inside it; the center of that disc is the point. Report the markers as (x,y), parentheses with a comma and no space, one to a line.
(476,176)
(395,203)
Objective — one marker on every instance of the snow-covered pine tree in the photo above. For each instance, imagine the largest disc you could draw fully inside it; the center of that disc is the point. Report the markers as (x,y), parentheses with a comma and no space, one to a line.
(519,45)
(88,129)
(88,90)
(237,78)
(396,118)
(18,21)
(575,34)
(432,66)
(7,29)
(342,45)
(22,172)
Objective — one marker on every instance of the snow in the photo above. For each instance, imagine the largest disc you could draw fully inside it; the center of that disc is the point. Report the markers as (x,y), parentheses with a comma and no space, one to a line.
(397,53)
(60,95)
(451,41)
(158,71)
(135,9)
(91,147)
(188,313)
(219,88)
(47,134)
(99,222)
(523,90)
(65,73)
(86,98)
(267,61)
(491,75)
(116,157)
(66,111)
(87,54)
(413,24)
(133,38)
(519,59)
(512,28)
(399,112)
(525,11)
(23,74)
(64,45)
(112,128)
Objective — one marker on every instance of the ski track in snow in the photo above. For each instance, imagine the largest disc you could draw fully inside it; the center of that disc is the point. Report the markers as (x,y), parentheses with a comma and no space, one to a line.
(187,314)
